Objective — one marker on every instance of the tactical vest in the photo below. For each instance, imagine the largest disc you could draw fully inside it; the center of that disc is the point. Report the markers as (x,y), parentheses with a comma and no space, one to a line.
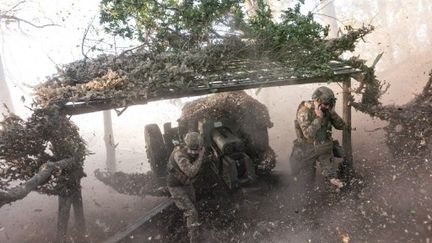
(176,177)
(325,141)
(324,134)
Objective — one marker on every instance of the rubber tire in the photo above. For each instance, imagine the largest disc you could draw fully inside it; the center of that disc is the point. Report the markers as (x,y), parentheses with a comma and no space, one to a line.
(156,151)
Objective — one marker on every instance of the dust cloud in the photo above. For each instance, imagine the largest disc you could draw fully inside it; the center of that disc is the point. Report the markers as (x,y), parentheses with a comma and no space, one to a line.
(394,205)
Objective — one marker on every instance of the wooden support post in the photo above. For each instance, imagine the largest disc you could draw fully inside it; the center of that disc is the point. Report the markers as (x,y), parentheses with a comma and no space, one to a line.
(346,135)
(109,142)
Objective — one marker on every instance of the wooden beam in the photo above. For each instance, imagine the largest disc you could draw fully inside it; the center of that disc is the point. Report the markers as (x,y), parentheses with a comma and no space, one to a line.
(119,236)
(269,75)
(106,104)
(346,135)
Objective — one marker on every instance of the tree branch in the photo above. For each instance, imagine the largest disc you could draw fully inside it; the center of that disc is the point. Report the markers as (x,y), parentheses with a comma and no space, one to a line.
(90,25)
(19,20)
(15,6)
(21,191)
(331,17)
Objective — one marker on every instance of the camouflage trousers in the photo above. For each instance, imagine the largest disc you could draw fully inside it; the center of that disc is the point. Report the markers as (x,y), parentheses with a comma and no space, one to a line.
(184,198)
(306,157)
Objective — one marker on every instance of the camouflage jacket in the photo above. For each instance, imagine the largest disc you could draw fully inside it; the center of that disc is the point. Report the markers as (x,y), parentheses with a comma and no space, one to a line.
(316,129)
(182,169)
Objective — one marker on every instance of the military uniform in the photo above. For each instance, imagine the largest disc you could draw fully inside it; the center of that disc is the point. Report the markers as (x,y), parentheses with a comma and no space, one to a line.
(182,170)
(314,143)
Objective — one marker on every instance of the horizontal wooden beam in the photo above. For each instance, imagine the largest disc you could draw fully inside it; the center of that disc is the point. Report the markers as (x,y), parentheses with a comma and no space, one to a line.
(121,235)
(213,87)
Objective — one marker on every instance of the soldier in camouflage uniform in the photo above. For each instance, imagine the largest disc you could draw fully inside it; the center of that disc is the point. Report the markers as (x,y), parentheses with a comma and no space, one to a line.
(183,167)
(314,143)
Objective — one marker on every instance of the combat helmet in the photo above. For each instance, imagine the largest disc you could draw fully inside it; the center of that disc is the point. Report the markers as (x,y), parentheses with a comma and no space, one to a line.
(193,140)
(324,95)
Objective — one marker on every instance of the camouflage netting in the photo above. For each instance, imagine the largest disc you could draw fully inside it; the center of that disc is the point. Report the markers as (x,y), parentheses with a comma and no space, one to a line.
(141,74)
(410,129)
(46,136)
(237,105)
(252,117)
(133,184)
(409,132)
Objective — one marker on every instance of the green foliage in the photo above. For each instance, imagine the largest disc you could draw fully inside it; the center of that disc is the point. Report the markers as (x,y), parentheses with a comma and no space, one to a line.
(190,43)
(371,87)
(296,40)
(172,24)
(294,28)
(177,24)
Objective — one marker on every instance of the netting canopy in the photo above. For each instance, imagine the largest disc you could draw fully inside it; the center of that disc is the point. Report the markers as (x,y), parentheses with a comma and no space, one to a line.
(139,77)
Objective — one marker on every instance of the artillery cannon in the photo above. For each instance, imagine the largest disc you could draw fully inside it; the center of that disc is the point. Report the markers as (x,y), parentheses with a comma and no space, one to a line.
(236,146)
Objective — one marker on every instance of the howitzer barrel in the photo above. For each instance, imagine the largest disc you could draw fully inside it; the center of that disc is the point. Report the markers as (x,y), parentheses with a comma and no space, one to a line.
(227,142)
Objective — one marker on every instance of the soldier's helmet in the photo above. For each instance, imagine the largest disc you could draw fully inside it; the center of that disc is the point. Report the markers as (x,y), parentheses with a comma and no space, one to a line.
(193,140)
(324,95)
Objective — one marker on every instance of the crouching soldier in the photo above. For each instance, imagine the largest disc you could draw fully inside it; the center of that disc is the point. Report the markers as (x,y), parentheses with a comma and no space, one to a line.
(314,144)
(183,166)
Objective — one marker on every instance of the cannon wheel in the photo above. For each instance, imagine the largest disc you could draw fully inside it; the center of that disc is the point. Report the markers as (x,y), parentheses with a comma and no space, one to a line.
(157,154)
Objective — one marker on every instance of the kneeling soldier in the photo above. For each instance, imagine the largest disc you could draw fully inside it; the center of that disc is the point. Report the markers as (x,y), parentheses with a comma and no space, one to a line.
(314,144)
(183,166)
